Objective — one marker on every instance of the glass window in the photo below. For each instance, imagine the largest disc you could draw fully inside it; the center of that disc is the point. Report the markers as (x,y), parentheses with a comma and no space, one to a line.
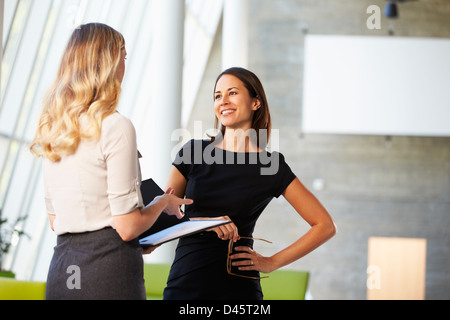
(35,33)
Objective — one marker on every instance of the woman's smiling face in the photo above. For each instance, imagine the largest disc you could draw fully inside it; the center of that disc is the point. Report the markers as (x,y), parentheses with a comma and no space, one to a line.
(232,103)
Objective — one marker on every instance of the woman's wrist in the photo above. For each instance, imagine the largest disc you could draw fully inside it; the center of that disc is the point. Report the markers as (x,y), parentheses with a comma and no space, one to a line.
(160,202)
(275,262)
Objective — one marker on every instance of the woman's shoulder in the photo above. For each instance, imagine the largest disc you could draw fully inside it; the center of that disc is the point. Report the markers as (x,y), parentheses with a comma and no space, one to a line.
(117,126)
(191,152)
(116,119)
(117,123)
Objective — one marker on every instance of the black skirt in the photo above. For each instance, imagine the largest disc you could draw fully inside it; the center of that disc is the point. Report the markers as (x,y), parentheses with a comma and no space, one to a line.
(96,265)
(199,272)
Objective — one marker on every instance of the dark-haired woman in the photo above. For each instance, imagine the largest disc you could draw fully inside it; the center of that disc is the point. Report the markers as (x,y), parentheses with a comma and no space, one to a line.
(232,177)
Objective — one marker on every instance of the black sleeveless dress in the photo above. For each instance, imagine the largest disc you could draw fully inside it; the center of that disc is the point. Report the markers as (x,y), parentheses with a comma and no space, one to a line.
(222,183)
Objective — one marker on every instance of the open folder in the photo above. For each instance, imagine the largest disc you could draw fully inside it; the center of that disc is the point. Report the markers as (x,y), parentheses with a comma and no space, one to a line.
(180,230)
(167,228)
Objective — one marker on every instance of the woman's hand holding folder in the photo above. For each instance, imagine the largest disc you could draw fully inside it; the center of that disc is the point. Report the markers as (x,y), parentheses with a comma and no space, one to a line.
(224,232)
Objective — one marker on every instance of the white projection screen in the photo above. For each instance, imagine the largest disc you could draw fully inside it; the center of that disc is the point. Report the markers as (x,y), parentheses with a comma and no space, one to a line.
(376,85)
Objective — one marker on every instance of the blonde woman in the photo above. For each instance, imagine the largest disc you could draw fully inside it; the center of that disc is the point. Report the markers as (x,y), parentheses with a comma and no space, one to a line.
(92,174)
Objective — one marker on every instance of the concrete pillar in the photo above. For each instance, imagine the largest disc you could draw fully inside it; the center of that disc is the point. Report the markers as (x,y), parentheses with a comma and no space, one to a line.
(165,115)
(2,12)
(235,34)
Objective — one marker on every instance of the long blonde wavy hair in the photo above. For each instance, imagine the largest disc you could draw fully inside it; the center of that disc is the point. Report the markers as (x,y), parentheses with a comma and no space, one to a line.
(85,86)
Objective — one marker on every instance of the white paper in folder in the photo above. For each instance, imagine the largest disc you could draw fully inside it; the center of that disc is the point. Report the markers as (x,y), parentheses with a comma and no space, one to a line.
(180,230)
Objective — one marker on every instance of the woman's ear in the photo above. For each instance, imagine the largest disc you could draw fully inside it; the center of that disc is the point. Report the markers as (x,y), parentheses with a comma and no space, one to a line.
(256,103)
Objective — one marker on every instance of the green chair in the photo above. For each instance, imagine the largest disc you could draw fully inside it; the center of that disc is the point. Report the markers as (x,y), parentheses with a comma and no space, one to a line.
(11,289)
(281,284)
(285,285)
(155,276)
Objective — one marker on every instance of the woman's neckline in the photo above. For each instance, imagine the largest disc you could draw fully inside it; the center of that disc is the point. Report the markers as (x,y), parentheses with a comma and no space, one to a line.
(249,152)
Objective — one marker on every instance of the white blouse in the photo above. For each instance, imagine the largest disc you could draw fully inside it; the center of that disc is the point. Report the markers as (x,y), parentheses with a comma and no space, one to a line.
(101,179)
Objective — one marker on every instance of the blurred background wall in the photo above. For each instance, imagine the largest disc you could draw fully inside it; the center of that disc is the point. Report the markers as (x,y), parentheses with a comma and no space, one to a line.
(372,185)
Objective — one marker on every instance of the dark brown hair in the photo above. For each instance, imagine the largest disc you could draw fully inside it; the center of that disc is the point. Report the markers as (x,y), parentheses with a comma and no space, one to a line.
(261,117)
